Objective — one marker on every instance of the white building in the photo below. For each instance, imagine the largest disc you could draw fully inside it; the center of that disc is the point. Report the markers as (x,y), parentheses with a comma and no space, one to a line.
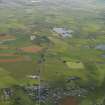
(63,32)
(33,76)
(32,37)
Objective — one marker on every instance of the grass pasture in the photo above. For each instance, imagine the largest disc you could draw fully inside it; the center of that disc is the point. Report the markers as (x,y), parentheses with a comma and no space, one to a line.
(6,79)
(15,73)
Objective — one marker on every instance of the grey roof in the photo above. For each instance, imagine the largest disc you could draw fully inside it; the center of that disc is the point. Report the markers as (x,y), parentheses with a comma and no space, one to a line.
(63,31)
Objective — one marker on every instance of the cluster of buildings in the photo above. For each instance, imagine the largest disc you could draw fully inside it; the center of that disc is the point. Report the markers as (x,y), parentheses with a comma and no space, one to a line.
(63,32)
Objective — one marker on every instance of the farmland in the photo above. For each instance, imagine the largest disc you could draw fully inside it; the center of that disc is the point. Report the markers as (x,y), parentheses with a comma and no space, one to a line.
(39,66)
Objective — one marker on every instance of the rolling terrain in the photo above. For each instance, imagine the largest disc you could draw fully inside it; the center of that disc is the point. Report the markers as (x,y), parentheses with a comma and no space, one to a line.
(41,66)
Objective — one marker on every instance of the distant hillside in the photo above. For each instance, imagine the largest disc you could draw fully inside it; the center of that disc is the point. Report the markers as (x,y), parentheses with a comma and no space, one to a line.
(75,4)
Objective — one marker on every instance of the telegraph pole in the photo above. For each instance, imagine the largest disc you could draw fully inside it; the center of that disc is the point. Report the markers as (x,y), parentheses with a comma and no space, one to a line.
(40,64)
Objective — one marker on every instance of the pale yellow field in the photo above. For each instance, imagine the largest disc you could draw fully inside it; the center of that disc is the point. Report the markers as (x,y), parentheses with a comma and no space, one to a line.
(75,65)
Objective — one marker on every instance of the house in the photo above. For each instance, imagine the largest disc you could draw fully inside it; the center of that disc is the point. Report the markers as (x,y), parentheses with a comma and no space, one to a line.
(63,32)
(33,76)
(32,37)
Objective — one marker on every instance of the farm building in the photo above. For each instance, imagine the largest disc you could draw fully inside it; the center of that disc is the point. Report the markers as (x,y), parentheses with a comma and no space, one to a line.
(33,77)
(32,37)
(63,32)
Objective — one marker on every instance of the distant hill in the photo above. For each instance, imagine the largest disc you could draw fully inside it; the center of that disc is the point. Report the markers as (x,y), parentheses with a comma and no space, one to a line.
(76,4)
(14,3)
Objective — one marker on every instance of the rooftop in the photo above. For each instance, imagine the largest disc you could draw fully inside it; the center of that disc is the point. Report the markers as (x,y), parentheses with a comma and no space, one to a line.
(63,32)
